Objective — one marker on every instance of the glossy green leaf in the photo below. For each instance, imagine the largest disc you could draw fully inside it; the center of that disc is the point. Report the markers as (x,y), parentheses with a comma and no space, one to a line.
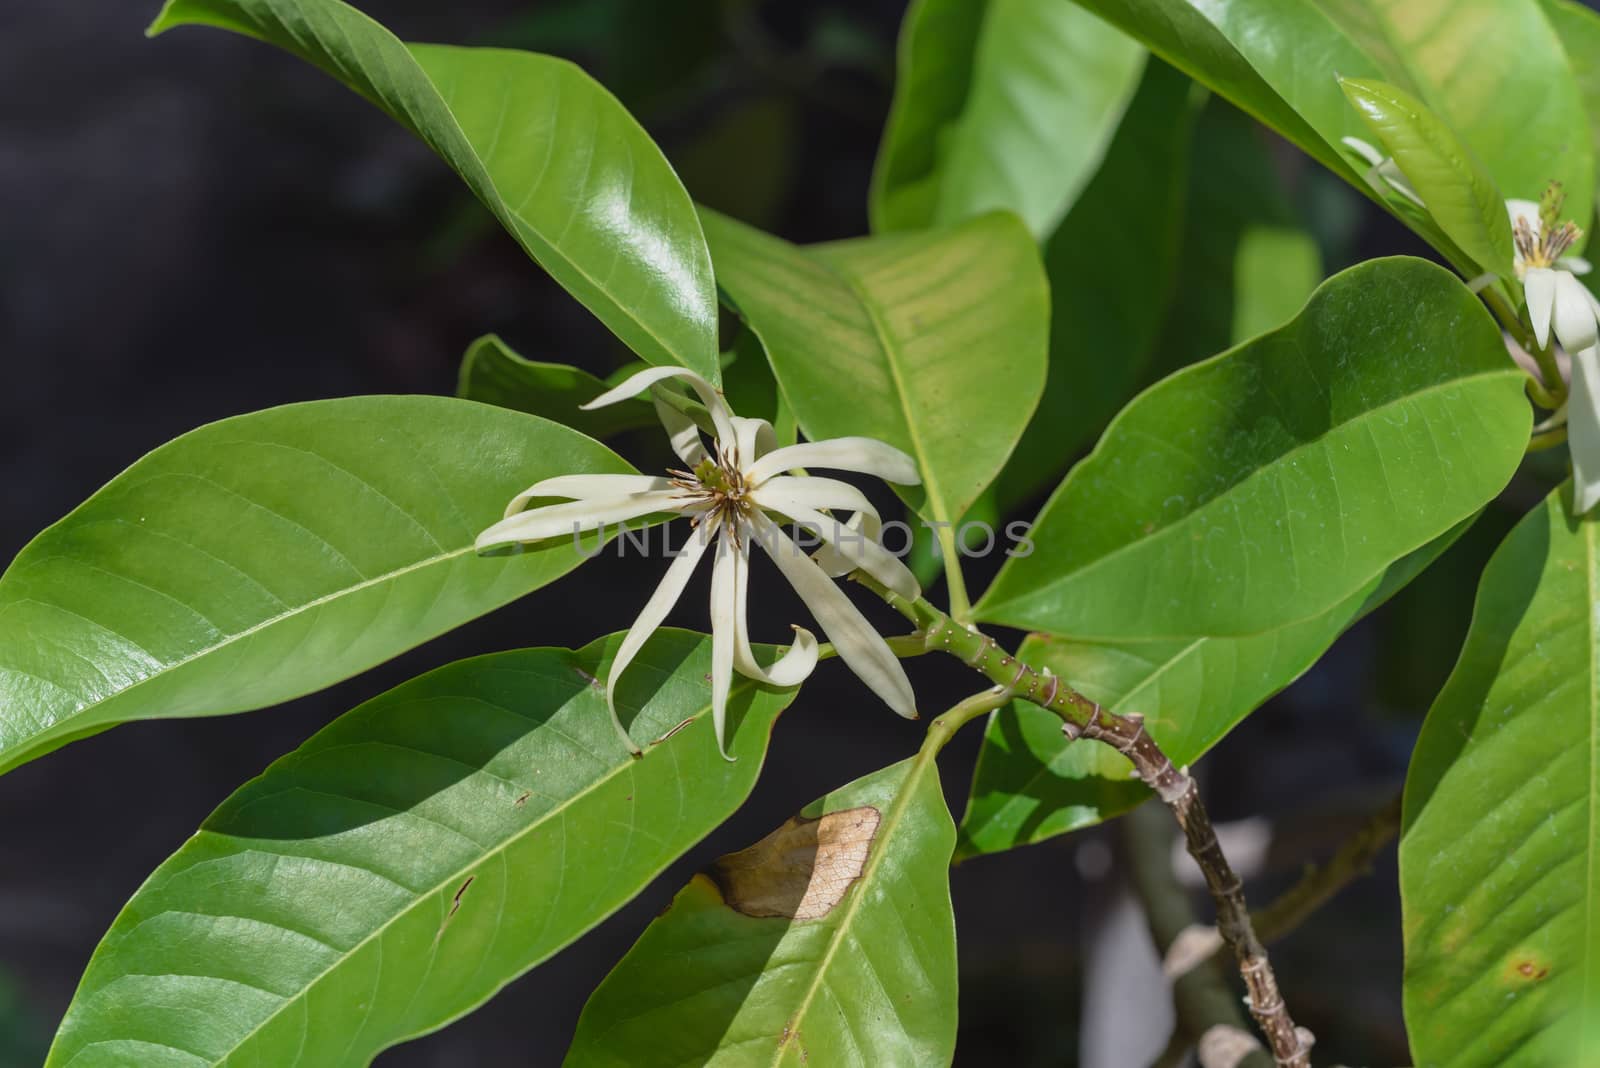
(1491,69)
(1500,855)
(561,164)
(933,342)
(1578,28)
(1246,265)
(269,555)
(412,858)
(1271,483)
(1032,784)
(494,374)
(1459,193)
(829,942)
(999,105)
(1112,264)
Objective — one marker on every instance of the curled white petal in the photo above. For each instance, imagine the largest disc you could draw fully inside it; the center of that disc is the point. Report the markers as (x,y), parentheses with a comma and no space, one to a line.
(1575,264)
(1583,429)
(869,456)
(835,564)
(1574,317)
(861,551)
(1539,287)
(1364,149)
(650,618)
(587,488)
(780,493)
(576,517)
(721,417)
(683,432)
(861,648)
(753,439)
(798,661)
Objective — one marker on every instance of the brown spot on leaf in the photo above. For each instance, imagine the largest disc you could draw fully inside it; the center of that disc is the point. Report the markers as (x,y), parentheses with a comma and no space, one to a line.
(456,903)
(522,798)
(1528,968)
(802,870)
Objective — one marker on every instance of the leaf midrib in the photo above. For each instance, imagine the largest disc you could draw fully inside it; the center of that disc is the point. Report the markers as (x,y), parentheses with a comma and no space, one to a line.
(1038,589)
(443,885)
(858,892)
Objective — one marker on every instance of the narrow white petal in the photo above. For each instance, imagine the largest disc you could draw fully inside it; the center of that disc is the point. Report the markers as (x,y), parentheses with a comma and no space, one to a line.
(1574,317)
(683,431)
(753,439)
(869,456)
(1583,429)
(721,417)
(1524,209)
(1363,149)
(654,611)
(862,551)
(861,648)
(783,492)
(576,517)
(724,636)
(1575,264)
(587,488)
(1391,173)
(1539,286)
(790,669)
(836,564)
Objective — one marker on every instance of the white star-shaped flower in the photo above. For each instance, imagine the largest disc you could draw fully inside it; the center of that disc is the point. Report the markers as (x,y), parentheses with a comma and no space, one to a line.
(731,493)
(1558,302)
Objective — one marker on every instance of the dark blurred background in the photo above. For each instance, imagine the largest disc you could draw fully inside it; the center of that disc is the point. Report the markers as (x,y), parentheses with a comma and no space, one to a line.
(200,226)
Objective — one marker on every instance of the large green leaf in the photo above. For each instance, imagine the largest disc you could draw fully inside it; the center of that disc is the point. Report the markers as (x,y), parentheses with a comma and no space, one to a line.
(412,858)
(1461,196)
(1112,265)
(548,150)
(1579,30)
(1500,856)
(1491,69)
(829,942)
(1031,783)
(493,373)
(267,556)
(933,342)
(1241,236)
(1271,483)
(999,104)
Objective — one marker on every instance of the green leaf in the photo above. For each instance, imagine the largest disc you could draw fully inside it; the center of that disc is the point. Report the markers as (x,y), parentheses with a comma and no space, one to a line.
(933,342)
(412,858)
(1492,70)
(1460,195)
(1104,315)
(999,104)
(1241,237)
(493,374)
(1501,849)
(561,164)
(1578,29)
(1032,784)
(829,942)
(267,556)
(1271,483)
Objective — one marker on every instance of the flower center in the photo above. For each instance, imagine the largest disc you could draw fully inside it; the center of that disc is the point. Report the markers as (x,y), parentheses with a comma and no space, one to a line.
(717,486)
(1542,242)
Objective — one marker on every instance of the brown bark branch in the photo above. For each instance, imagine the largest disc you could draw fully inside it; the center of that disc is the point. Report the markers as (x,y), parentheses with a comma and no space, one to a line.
(1083,718)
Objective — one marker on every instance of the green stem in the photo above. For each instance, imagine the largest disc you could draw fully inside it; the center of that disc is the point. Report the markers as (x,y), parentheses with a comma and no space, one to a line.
(1554,390)
(945,725)
(960,606)
(1083,718)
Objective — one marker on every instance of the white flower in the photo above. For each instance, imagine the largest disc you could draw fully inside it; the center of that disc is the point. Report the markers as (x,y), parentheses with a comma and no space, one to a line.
(1557,300)
(728,493)
(1383,169)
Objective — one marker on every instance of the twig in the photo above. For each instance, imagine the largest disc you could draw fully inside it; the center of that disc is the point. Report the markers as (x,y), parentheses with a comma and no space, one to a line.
(1315,889)
(1083,718)
(1202,1000)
